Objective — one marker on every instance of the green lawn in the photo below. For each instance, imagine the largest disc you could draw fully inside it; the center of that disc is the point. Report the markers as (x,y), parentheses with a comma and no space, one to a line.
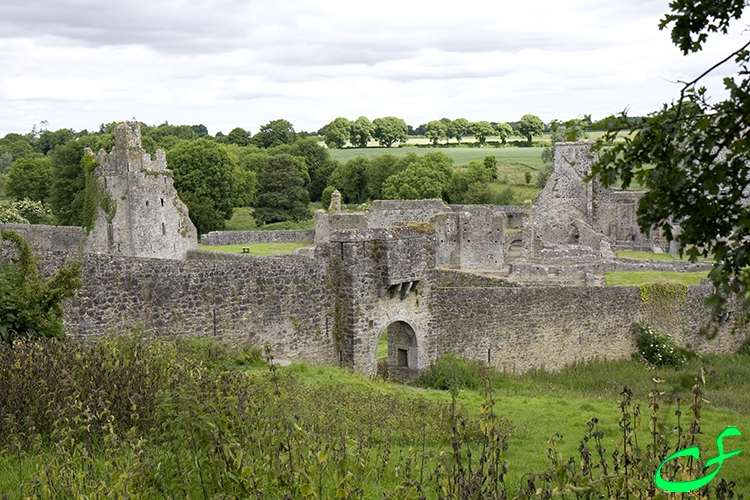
(631,254)
(635,278)
(529,157)
(256,248)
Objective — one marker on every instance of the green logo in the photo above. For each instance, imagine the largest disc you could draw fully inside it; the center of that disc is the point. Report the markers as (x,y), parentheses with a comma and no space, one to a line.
(694,451)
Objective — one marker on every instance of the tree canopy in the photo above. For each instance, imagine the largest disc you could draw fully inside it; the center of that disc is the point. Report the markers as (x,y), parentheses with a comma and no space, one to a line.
(428,177)
(389,129)
(360,132)
(282,196)
(337,133)
(693,156)
(274,133)
(529,126)
(30,178)
(481,131)
(204,168)
(435,131)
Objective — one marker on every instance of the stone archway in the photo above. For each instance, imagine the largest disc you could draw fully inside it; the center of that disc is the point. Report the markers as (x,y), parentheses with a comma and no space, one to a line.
(403,357)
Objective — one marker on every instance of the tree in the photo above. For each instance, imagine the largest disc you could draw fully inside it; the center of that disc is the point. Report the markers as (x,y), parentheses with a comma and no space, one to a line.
(319,164)
(238,136)
(30,178)
(67,191)
(530,126)
(390,129)
(503,131)
(274,133)
(436,130)
(349,178)
(337,133)
(282,196)
(31,305)
(378,169)
(693,156)
(48,140)
(476,173)
(360,132)
(458,128)
(481,131)
(427,178)
(490,163)
(204,168)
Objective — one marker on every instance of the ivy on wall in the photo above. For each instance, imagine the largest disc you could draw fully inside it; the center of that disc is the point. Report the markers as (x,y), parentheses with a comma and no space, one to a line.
(663,301)
(94,196)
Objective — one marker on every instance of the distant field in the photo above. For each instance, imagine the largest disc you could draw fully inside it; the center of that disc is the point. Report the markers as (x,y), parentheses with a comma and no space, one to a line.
(630,254)
(529,157)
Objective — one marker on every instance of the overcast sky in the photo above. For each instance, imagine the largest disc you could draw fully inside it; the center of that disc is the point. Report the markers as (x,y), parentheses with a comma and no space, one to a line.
(228,63)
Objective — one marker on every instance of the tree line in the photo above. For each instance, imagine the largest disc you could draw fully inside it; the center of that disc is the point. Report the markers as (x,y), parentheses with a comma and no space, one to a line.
(276,171)
(390,130)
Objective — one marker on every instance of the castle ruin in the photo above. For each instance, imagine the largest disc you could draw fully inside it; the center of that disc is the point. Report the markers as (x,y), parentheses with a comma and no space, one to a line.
(432,278)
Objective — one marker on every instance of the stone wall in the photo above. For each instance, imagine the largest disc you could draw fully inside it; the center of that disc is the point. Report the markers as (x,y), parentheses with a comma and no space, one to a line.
(42,237)
(282,301)
(517,329)
(249,237)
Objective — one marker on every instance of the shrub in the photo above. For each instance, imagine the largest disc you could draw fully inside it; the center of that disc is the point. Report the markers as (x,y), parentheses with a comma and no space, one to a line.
(450,372)
(657,347)
(31,306)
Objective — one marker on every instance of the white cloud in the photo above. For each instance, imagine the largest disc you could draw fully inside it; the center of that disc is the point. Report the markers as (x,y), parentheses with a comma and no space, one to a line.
(226,63)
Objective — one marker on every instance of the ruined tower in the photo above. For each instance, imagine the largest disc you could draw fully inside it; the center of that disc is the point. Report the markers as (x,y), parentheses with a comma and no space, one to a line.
(138,212)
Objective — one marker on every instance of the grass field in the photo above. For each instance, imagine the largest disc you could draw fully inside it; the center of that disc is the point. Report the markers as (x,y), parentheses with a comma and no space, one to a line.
(529,157)
(631,254)
(256,248)
(635,278)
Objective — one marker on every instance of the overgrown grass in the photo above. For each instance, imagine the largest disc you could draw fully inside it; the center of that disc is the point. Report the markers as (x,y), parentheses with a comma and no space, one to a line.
(256,248)
(195,419)
(635,278)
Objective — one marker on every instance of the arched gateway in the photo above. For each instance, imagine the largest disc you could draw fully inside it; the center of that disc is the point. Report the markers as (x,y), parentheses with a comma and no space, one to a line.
(402,354)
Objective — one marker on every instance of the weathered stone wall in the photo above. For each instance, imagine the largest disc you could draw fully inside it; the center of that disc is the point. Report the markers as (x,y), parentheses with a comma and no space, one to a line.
(513,213)
(42,237)
(521,328)
(389,213)
(279,300)
(149,219)
(249,237)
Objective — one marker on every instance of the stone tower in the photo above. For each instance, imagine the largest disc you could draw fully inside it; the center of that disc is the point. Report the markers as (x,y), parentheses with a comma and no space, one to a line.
(139,212)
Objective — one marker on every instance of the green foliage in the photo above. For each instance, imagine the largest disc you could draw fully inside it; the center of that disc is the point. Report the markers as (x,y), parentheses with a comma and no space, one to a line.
(67,192)
(10,215)
(458,128)
(318,162)
(450,372)
(527,176)
(274,133)
(529,126)
(490,163)
(337,133)
(203,214)
(701,186)
(389,130)
(205,169)
(428,177)
(503,131)
(657,347)
(360,132)
(238,136)
(31,306)
(350,179)
(476,174)
(481,131)
(34,212)
(94,196)
(378,169)
(435,131)
(325,198)
(48,139)
(282,196)
(30,178)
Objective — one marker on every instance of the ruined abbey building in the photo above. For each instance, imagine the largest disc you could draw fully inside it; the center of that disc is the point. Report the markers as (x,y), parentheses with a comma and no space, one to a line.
(433,278)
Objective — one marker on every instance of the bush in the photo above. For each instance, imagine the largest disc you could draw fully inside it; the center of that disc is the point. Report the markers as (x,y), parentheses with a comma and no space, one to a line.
(450,372)
(657,347)
(32,306)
